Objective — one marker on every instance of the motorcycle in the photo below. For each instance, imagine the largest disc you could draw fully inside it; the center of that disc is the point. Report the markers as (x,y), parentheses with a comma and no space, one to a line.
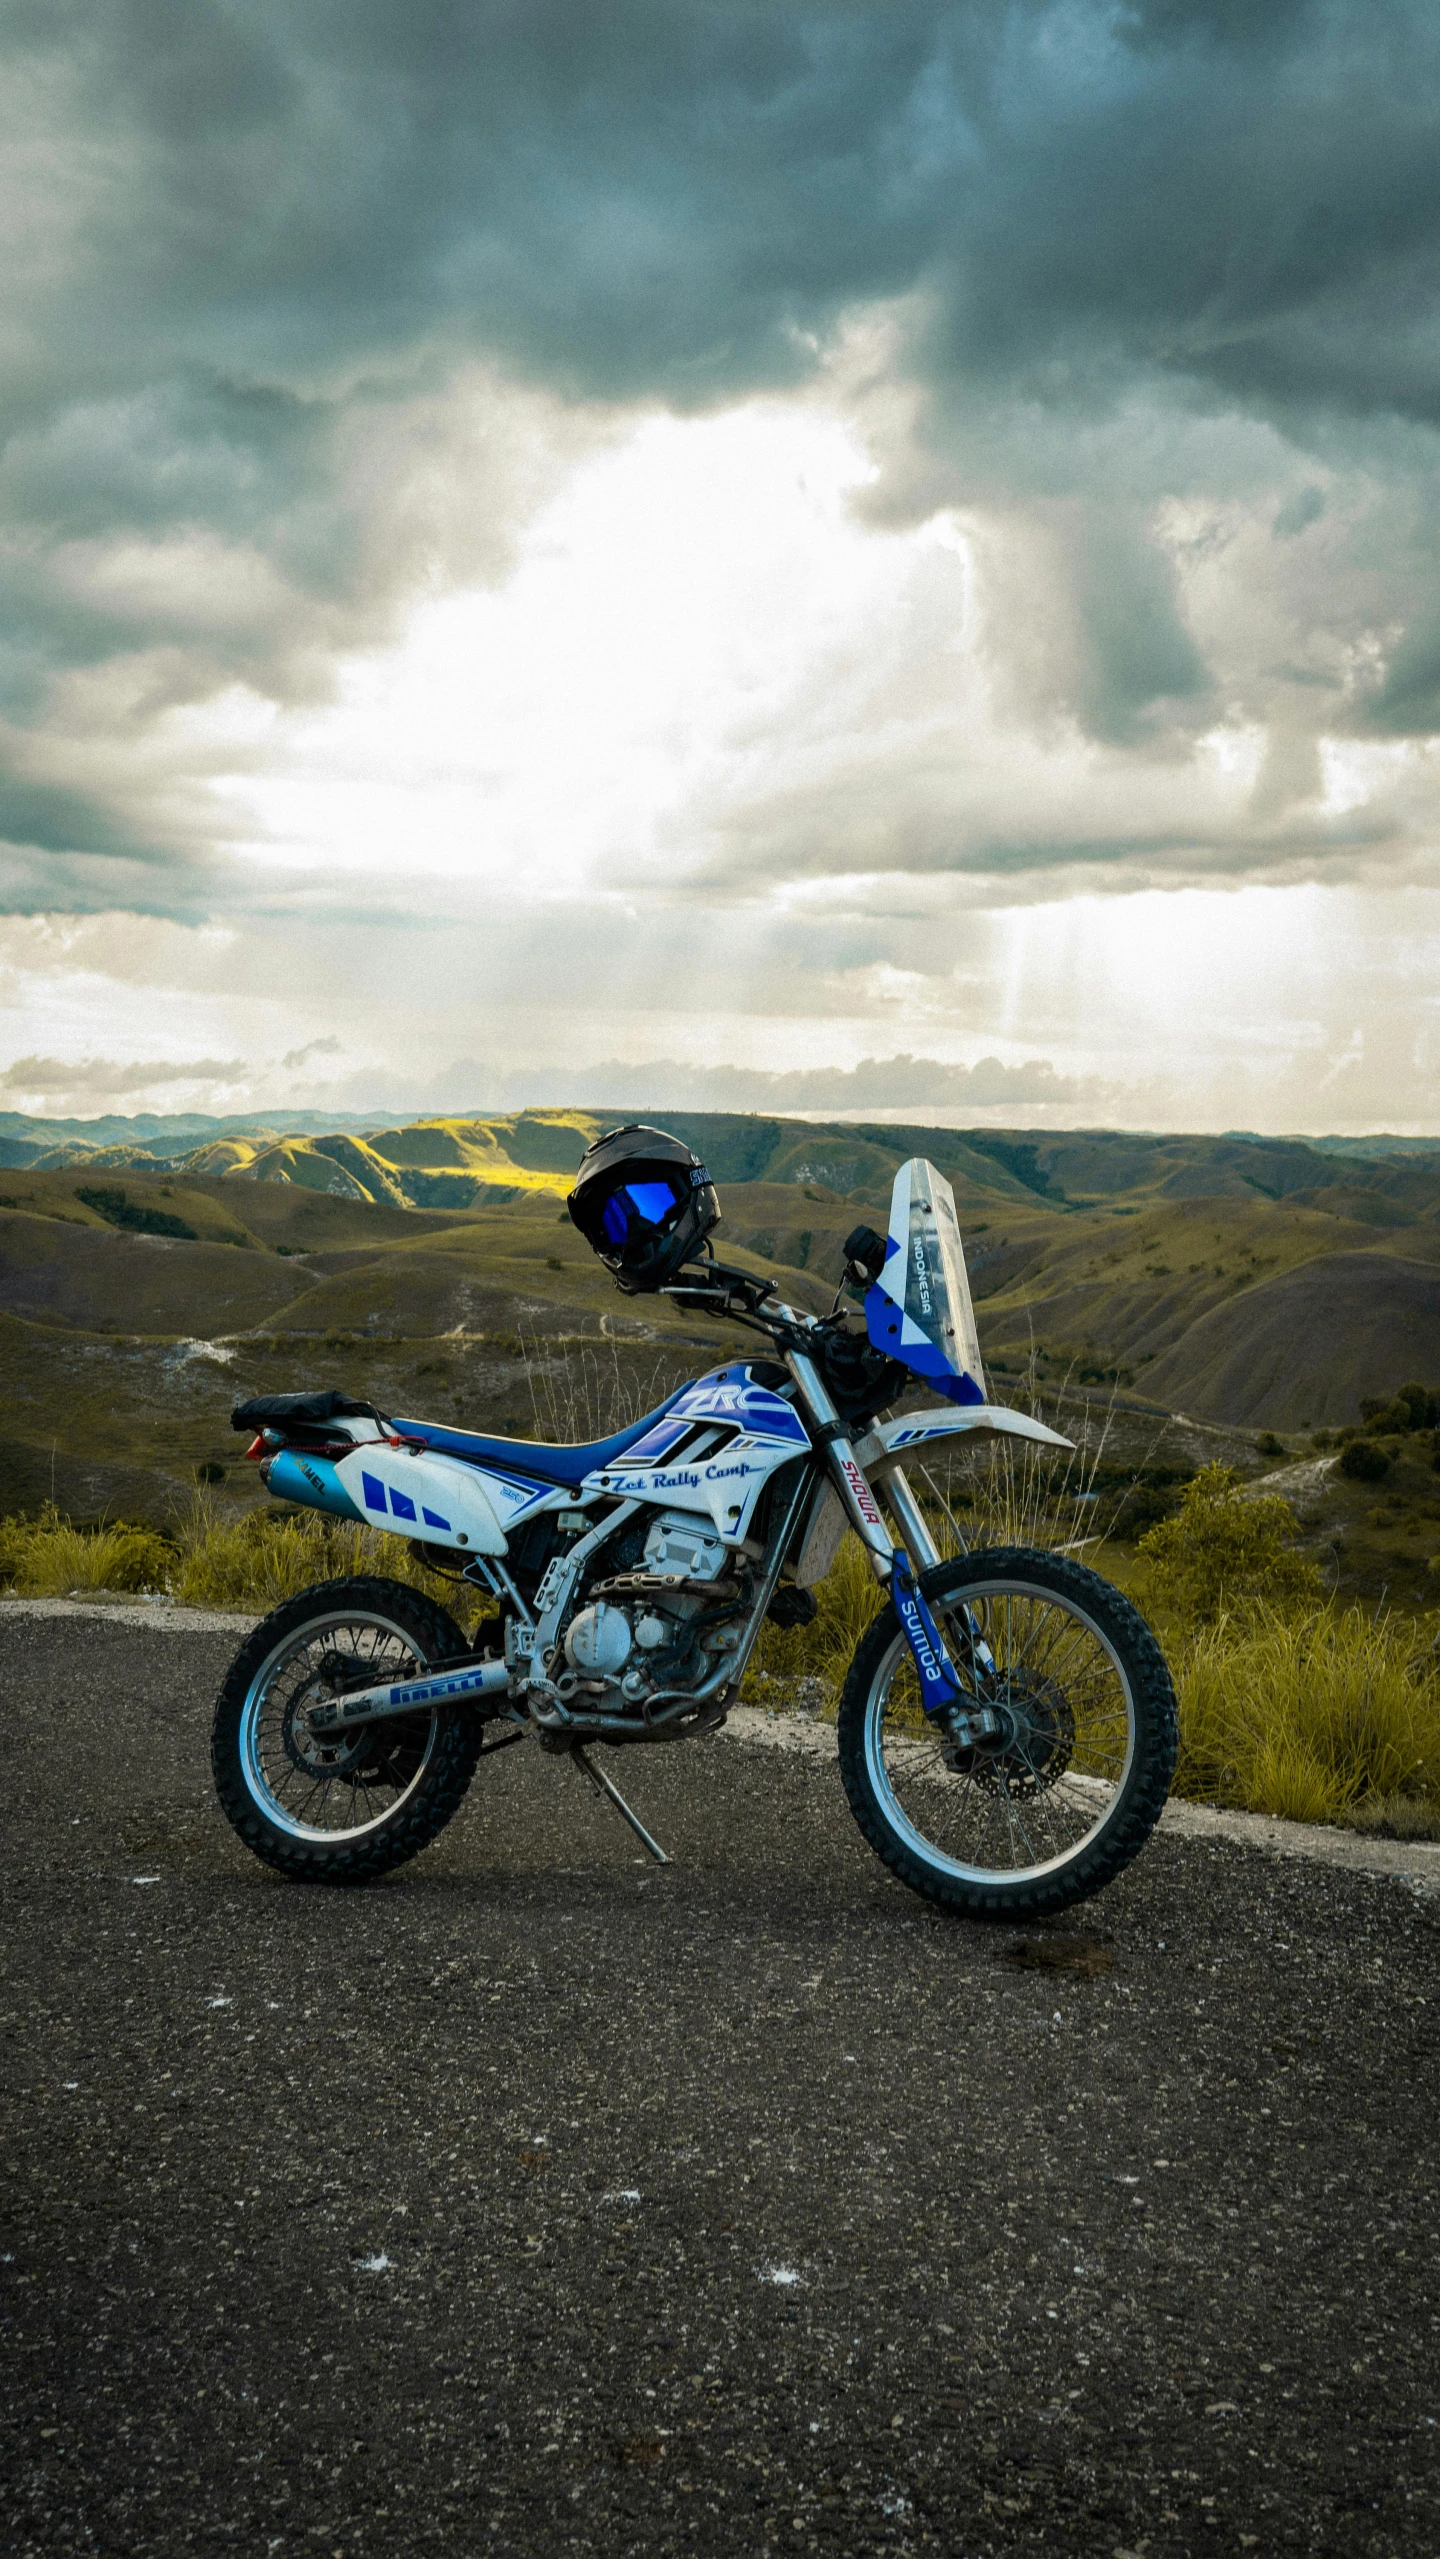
(1007,1727)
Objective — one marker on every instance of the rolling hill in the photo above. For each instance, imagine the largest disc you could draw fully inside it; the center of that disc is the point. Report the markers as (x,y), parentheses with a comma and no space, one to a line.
(1248,1283)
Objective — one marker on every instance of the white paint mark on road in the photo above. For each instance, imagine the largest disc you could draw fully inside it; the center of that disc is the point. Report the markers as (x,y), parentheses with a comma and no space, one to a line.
(779,2275)
(381,2265)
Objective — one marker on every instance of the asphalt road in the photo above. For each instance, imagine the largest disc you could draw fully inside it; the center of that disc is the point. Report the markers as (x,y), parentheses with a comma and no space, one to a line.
(536,2202)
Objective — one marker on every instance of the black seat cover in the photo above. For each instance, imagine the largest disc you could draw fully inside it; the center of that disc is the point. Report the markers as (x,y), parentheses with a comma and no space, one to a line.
(320,1404)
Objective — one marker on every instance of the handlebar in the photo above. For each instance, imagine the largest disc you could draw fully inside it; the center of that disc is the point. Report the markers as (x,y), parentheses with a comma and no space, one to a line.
(721,1288)
(861,1379)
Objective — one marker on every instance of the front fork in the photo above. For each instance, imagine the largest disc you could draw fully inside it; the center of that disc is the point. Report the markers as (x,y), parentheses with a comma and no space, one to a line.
(943,1693)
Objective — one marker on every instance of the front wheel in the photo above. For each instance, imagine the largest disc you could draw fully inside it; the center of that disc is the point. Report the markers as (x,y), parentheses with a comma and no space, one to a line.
(1072,1783)
(340,1808)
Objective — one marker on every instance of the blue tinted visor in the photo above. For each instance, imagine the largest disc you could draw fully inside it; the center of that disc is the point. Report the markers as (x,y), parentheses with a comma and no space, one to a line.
(641,1208)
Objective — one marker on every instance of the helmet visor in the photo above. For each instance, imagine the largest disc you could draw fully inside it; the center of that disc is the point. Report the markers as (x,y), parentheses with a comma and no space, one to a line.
(637,1212)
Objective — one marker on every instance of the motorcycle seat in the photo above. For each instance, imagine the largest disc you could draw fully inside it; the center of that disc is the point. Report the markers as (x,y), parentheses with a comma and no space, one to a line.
(312,1409)
(566,1466)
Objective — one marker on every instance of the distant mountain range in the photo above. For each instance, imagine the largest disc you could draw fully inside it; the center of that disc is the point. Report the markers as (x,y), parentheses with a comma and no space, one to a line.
(165,1134)
(171,1136)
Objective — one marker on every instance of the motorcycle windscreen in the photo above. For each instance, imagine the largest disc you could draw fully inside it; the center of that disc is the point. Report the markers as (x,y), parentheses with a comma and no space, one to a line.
(919,1309)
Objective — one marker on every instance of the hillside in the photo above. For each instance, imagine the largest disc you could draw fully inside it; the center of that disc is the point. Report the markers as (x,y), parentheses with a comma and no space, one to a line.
(1251,1284)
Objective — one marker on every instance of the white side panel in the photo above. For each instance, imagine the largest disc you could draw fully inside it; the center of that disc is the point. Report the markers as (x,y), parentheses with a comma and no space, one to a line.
(725,1487)
(437,1499)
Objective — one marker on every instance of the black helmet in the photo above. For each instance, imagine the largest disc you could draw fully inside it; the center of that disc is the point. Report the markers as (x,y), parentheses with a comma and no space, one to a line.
(644,1203)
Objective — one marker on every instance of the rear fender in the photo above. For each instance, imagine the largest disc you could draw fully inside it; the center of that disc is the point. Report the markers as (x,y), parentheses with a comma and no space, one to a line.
(441,1501)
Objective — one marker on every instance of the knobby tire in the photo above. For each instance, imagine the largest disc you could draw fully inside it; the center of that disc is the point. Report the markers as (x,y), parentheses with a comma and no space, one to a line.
(1140,1799)
(422,1813)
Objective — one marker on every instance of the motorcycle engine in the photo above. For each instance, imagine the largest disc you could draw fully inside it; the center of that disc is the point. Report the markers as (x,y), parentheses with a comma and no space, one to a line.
(665,1623)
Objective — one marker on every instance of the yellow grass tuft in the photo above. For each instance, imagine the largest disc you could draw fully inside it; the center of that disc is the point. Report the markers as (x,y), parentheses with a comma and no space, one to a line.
(1309,1720)
(260,1560)
(211,1561)
(45,1558)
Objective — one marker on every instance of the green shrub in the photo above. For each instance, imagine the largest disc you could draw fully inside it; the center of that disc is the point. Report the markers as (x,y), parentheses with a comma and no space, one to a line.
(1410,1408)
(1227,1550)
(1363,1462)
(117,1210)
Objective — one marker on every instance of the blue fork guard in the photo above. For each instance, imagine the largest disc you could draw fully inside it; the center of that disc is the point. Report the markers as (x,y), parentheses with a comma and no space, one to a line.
(940,1687)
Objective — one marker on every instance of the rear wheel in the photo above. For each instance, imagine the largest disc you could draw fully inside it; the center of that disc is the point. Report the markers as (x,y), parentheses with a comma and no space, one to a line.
(1072,1783)
(340,1808)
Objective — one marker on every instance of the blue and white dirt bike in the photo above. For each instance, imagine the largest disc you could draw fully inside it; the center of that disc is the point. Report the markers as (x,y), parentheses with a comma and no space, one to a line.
(1007,1728)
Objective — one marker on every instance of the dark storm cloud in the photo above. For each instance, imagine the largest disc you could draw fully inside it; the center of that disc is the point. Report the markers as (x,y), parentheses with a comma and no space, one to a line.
(246,235)
(655,198)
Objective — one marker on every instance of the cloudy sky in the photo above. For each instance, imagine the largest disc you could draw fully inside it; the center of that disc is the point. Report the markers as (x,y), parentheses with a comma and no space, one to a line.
(875,556)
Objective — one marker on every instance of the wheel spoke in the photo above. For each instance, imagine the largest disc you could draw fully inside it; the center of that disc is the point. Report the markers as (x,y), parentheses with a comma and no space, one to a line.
(1033,1794)
(344,1784)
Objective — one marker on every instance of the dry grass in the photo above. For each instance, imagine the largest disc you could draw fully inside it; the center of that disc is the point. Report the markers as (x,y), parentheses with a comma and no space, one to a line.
(805,1665)
(212,1561)
(1000,1492)
(46,1558)
(1012,1492)
(257,1561)
(582,1394)
(1397,1817)
(1311,1720)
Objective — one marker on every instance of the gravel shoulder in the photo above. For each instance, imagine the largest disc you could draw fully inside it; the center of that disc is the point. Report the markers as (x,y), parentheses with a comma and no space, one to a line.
(536,2201)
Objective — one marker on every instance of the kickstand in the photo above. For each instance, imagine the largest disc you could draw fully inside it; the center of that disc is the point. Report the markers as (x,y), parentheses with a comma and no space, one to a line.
(603,1786)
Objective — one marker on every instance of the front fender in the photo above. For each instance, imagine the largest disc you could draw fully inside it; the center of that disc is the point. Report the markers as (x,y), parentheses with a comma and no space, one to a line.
(890,1443)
